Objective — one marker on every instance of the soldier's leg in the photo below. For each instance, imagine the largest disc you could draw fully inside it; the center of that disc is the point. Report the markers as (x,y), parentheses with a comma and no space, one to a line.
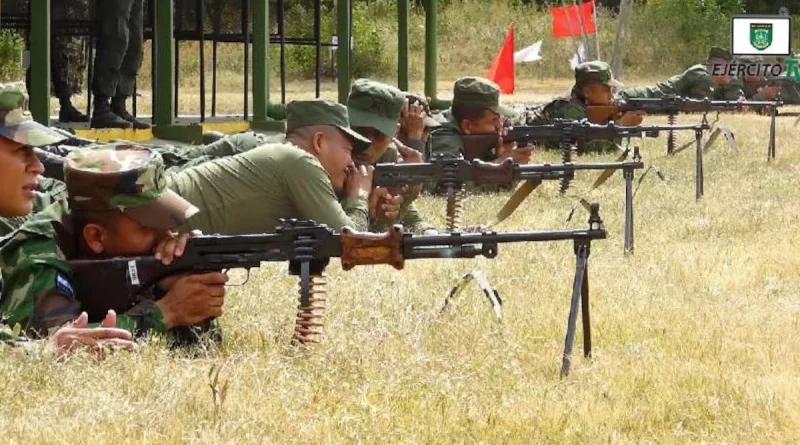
(112,45)
(177,159)
(233,144)
(60,72)
(130,65)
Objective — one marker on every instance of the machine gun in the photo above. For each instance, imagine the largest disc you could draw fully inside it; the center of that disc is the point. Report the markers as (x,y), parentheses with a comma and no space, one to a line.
(483,146)
(449,174)
(117,283)
(672,105)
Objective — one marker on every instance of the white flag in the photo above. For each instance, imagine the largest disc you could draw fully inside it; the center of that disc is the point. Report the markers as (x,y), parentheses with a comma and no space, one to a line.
(529,54)
(579,57)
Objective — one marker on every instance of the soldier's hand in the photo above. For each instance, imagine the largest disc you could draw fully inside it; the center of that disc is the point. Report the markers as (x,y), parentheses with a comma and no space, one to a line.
(384,205)
(97,340)
(409,156)
(412,120)
(520,155)
(630,118)
(172,245)
(193,298)
(359,181)
(769,92)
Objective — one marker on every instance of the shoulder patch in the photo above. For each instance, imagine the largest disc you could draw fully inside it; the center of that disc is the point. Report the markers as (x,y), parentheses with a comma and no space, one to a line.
(64,286)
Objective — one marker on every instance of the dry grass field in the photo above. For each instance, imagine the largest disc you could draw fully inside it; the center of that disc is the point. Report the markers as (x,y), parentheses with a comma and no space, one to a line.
(694,334)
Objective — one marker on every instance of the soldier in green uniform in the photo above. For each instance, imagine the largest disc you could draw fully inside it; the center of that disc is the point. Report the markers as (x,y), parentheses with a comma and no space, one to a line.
(303,176)
(476,109)
(593,84)
(120,48)
(375,110)
(20,169)
(117,205)
(695,82)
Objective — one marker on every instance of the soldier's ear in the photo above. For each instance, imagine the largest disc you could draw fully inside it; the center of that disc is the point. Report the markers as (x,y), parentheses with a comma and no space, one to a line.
(94,237)
(466,126)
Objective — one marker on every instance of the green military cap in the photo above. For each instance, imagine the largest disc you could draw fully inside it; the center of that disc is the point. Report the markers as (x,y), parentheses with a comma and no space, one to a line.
(128,178)
(307,113)
(595,71)
(375,105)
(719,53)
(413,99)
(477,92)
(16,122)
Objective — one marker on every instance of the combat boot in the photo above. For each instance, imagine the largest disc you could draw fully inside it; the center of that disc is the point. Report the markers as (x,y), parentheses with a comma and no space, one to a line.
(103,117)
(118,107)
(68,113)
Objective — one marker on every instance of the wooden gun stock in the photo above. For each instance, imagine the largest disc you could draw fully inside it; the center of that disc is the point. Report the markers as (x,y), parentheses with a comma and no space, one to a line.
(601,114)
(362,248)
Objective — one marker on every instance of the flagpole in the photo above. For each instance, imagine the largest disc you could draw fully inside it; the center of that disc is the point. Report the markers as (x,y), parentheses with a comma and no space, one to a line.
(596,30)
(569,25)
(583,29)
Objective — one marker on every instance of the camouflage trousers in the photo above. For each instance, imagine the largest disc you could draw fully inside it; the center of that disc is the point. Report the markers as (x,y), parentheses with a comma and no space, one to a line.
(52,189)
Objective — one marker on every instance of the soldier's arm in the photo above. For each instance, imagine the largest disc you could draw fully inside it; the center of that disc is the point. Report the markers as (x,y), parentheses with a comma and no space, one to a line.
(416,144)
(312,195)
(37,289)
(413,222)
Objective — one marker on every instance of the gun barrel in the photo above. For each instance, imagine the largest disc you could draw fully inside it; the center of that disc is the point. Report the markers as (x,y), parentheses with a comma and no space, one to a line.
(458,245)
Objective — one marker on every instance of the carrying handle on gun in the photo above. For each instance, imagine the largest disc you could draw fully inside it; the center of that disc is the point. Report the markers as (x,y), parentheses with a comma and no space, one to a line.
(363,248)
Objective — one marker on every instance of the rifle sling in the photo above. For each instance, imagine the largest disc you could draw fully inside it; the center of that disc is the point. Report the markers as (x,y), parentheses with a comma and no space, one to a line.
(515,200)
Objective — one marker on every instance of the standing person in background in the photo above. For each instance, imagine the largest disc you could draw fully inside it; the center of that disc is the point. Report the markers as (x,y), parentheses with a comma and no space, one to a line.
(120,48)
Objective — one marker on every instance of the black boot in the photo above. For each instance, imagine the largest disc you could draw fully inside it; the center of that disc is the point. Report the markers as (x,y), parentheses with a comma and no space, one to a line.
(118,107)
(103,117)
(68,113)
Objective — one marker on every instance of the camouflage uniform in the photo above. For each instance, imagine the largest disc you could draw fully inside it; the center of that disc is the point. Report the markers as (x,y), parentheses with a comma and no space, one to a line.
(377,105)
(573,107)
(40,292)
(17,125)
(250,192)
(468,93)
(52,187)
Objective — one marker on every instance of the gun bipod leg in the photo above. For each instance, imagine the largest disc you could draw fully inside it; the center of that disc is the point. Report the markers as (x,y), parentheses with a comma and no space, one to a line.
(628,175)
(698,174)
(580,294)
(771,143)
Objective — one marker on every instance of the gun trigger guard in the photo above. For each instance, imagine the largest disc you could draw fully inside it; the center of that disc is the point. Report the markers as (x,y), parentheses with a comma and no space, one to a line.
(246,280)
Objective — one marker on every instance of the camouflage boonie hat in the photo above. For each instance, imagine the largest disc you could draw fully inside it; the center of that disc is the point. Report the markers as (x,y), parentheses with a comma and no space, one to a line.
(430,122)
(719,53)
(127,178)
(595,72)
(477,92)
(16,122)
(375,105)
(307,113)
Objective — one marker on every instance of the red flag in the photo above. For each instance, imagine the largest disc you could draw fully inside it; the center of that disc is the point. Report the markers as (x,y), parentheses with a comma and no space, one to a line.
(502,69)
(567,21)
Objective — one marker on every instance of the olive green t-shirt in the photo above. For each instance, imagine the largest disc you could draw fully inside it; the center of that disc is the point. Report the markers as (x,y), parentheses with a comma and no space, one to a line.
(250,192)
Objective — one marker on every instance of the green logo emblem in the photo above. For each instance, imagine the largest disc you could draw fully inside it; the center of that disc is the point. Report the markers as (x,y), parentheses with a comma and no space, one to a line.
(761,35)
